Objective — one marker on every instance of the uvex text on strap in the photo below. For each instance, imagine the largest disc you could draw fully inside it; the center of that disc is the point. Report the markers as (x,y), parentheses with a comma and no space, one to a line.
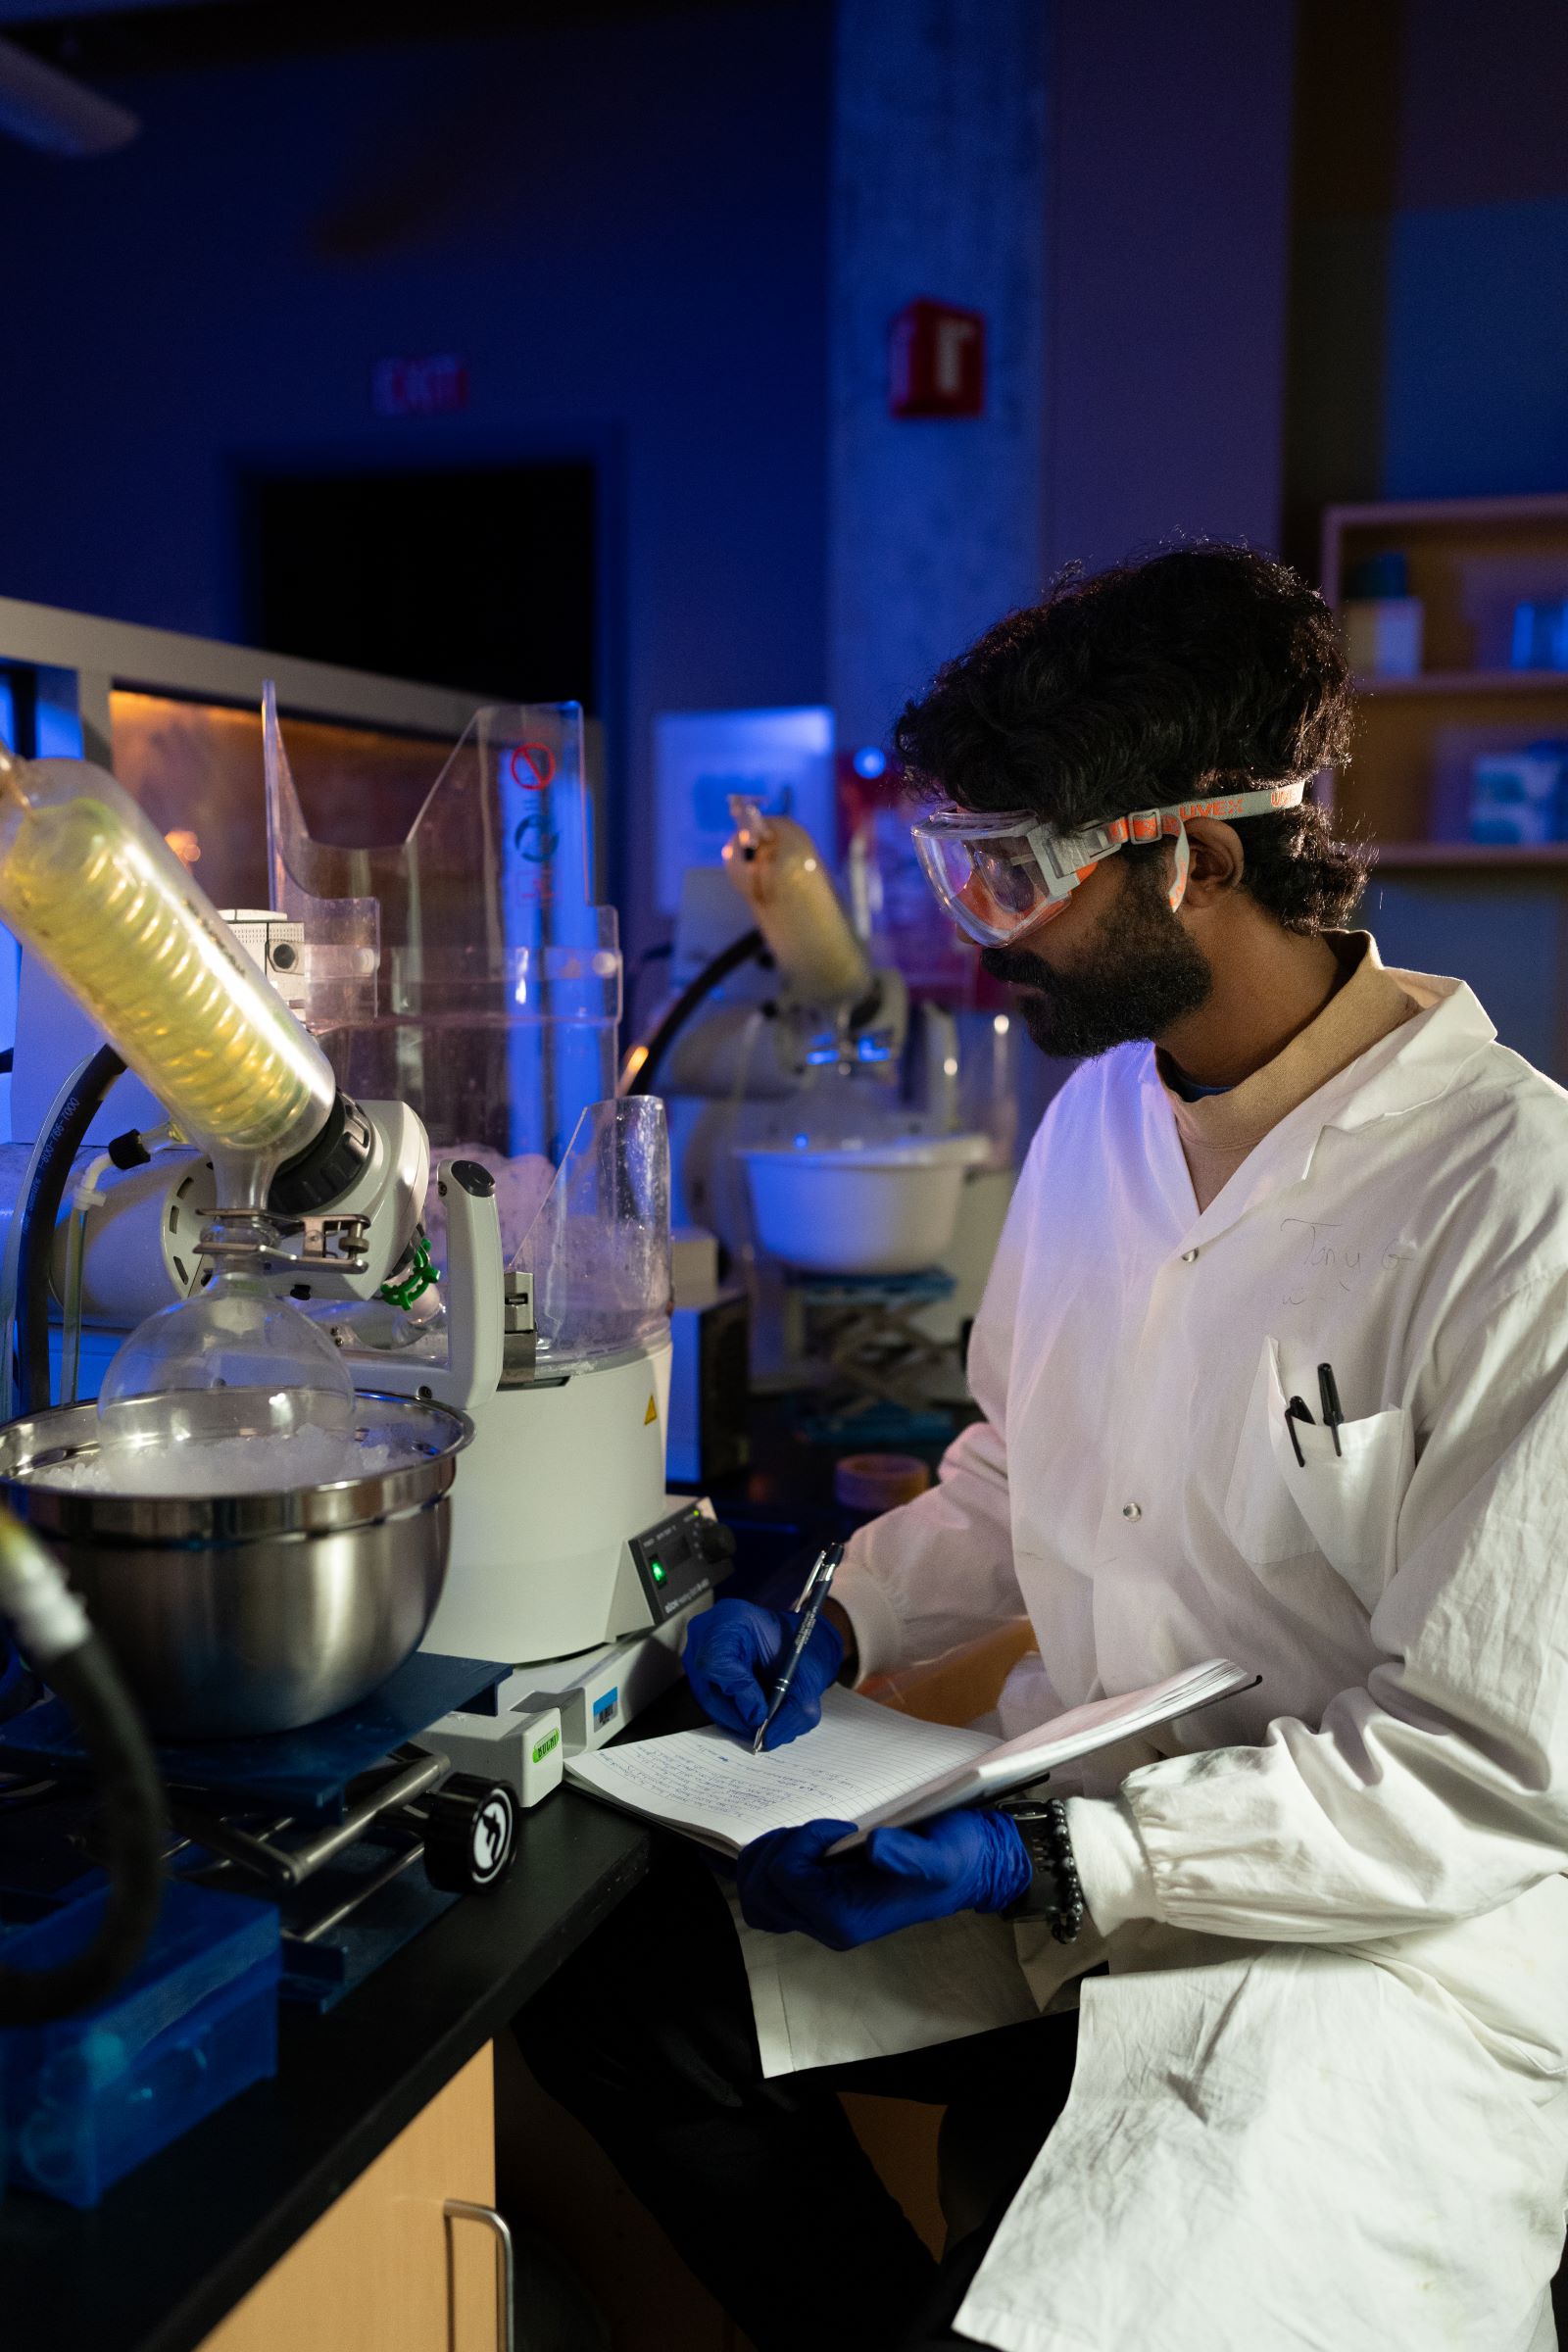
(999,876)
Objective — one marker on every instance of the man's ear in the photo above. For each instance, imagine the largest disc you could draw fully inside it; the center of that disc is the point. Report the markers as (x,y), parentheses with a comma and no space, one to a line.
(1217,862)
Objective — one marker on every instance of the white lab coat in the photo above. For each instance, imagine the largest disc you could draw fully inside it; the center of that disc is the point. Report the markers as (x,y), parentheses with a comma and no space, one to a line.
(1322,2094)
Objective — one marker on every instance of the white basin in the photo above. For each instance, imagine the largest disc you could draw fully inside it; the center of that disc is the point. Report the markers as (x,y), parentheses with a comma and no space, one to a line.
(884,1207)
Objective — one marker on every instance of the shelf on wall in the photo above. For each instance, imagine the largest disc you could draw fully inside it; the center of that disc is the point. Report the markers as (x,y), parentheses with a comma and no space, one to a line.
(1536,510)
(1459,856)
(1467,681)
(1470,562)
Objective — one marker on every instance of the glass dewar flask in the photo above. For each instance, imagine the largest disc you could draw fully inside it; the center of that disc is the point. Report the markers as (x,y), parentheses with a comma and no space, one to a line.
(90,886)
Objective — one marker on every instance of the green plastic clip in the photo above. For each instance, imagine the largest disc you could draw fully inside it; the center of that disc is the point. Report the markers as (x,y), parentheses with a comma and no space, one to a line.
(420,1275)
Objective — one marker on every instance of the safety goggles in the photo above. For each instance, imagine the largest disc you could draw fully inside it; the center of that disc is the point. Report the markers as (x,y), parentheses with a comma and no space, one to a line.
(999,876)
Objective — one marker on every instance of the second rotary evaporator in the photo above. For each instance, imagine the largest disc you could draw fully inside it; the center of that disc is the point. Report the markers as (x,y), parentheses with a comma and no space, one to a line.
(454,997)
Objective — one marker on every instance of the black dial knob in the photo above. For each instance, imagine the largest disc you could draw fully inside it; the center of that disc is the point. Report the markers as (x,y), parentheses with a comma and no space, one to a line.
(473,1177)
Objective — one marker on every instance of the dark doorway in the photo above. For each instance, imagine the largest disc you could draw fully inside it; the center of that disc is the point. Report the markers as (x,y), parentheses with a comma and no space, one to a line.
(478,577)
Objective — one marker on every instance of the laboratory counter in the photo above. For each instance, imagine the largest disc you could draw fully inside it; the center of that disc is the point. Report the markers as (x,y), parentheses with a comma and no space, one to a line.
(175,2246)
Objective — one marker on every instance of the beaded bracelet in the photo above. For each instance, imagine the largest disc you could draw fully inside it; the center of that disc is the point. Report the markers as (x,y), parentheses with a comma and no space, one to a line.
(1070,1918)
(1048,1841)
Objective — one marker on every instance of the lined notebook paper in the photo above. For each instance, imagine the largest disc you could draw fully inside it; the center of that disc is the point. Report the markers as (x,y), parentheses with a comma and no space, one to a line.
(866,1763)
(710,1784)
(1013,1763)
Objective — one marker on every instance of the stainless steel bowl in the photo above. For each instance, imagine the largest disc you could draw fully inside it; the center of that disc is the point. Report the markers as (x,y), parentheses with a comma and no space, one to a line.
(243,1613)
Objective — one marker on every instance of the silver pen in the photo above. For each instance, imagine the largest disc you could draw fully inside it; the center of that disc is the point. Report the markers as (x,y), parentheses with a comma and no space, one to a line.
(813,1594)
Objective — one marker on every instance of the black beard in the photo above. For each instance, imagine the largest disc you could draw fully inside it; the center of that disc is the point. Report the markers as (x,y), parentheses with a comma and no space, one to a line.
(1141,973)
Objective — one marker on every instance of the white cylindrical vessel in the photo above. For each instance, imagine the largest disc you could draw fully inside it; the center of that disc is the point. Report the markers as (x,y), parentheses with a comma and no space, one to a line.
(861,1207)
(557,1476)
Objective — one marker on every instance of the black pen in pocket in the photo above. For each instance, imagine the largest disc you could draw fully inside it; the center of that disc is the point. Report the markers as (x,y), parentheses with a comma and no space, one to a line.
(1329,1396)
(1296,1411)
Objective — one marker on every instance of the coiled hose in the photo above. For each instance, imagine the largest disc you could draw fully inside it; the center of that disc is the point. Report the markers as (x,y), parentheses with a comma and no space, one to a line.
(53,1632)
(37,1213)
(640,1067)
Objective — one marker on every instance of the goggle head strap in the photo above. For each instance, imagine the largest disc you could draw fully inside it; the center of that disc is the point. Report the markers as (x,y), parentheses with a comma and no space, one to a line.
(1065,859)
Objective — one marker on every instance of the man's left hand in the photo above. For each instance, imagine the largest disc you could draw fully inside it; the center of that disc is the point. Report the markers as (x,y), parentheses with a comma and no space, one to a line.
(967,1861)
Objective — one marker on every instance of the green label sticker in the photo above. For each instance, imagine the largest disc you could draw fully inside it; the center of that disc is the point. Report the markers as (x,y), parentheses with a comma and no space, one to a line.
(550,1739)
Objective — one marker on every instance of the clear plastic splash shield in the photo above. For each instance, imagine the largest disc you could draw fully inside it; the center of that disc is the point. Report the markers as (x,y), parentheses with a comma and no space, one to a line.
(599,1246)
(467,971)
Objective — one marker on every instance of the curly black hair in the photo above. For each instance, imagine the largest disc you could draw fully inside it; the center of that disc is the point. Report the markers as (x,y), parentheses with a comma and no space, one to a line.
(1204,665)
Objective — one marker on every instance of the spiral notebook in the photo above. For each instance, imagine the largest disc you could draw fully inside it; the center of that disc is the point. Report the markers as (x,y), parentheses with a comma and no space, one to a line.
(868,1764)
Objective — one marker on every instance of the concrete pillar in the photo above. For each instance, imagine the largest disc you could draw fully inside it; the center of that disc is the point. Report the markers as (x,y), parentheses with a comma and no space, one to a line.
(939,189)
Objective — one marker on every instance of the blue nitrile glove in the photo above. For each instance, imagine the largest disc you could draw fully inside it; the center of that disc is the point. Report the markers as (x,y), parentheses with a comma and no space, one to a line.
(967,1861)
(734,1654)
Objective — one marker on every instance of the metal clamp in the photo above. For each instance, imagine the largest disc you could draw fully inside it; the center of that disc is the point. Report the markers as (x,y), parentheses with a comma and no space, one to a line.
(265,1245)
(343,1242)
(459,2209)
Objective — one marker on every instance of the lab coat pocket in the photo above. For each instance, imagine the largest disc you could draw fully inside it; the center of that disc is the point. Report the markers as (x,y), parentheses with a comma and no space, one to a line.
(1261,1513)
(1350,1500)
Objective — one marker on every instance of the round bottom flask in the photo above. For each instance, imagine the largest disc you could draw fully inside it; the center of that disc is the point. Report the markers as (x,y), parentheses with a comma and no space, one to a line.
(232,1390)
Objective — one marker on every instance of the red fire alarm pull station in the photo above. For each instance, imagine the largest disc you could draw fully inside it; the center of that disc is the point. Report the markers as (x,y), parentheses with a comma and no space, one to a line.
(937,359)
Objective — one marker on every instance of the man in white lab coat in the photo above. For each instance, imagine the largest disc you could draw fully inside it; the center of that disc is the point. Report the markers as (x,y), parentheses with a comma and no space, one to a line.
(1320,2097)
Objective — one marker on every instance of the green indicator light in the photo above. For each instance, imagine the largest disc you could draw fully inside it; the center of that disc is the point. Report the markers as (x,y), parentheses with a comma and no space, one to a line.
(657,1571)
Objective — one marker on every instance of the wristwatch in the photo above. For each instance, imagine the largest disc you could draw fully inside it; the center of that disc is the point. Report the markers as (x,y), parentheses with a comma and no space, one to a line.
(1053,1894)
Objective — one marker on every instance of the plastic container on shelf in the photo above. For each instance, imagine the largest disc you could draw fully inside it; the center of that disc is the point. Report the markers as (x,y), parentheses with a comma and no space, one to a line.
(88,2098)
(853,1207)
(1383,624)
(1540,636)
(1519,799)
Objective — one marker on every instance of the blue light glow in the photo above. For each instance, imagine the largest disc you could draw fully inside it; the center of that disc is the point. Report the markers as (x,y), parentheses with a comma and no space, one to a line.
(869,762)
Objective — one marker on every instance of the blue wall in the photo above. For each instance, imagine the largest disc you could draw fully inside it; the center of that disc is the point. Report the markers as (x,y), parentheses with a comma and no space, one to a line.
(1430,345)
(1166,273)
(1476,396)
(625,230)
(1476,364)
(1507,943)
(632,261)
(1475,401)
(1430,360)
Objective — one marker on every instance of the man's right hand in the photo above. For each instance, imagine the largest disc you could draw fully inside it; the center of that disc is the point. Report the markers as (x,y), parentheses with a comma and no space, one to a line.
(734,1654)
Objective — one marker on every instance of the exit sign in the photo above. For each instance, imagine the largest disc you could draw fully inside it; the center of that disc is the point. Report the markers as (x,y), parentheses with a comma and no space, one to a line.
(436,384)
(937,360)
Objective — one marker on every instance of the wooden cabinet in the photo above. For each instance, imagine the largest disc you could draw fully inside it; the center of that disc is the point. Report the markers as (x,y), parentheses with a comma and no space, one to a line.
(1469,561)
(1493,913)
(387,2269)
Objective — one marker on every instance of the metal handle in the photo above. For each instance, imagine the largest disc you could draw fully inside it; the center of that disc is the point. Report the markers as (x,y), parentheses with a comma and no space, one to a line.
(459,2209)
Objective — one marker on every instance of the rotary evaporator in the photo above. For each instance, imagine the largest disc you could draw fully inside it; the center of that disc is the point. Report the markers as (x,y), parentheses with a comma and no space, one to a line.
(229,1399)
(818,1128)
(303,1324)
(257,1545)
(281,1235)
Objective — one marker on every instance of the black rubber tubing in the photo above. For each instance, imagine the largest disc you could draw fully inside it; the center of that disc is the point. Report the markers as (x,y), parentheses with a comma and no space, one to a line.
(740,951)
(39,1214)
(88,1682)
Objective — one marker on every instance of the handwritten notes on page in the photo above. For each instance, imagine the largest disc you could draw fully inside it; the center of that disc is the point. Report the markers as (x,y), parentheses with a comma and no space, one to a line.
(860,1758)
